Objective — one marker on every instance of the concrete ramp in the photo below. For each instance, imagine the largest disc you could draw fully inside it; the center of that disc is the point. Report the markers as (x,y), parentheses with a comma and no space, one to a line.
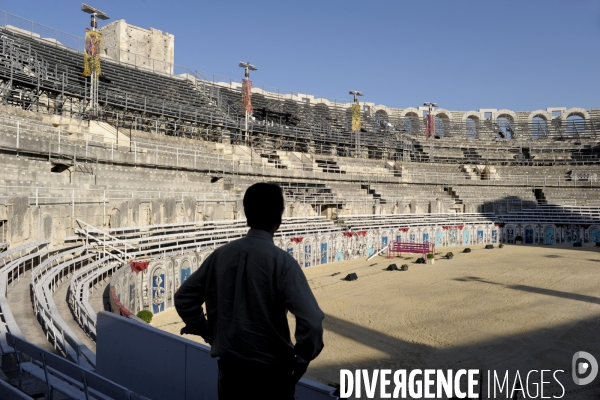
(109,132)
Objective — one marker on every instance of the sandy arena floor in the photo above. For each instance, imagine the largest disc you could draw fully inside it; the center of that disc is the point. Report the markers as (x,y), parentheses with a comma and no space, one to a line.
(520,307)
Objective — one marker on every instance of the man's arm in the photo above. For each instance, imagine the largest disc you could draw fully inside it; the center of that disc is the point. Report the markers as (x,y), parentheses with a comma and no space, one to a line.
(189,299)
(301,302)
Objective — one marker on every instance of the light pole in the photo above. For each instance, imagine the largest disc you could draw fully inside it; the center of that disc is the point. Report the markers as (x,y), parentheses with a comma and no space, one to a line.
(356,119)
(247,93)
(93,51)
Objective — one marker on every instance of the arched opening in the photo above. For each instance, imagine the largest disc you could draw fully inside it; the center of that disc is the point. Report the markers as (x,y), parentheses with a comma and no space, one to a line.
(381,120)
(442,123)
(472,122)
(411,123)
(505,126)
(539,128)
(575,124)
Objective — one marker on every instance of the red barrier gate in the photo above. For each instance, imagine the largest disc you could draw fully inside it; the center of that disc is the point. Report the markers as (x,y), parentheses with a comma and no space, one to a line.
(395,249)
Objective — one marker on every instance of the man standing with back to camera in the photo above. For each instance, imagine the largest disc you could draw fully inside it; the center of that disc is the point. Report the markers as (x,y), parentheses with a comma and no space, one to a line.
(248,286)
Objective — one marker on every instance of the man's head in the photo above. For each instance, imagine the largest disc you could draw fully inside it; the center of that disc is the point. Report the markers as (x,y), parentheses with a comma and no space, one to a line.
(263,205)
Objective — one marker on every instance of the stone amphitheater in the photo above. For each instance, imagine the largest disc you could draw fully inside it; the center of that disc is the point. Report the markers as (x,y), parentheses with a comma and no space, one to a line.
(102,216)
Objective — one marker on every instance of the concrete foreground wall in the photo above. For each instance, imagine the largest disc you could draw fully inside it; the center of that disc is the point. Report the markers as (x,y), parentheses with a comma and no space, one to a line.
(161,365)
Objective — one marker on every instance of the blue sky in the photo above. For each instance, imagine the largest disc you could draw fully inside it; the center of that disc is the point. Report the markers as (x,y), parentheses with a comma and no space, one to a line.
(462,54)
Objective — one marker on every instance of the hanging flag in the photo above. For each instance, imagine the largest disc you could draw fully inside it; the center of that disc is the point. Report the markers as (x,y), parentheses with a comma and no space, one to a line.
(355,117)
(91,55)
(247,95)
(429,125)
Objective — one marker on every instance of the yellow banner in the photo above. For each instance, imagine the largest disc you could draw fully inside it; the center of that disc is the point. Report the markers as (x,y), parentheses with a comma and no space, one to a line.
(91,55)
(355,117)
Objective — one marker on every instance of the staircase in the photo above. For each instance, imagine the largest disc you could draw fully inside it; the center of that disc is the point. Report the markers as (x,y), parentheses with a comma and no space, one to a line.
(274,159)
(329,166)
(373,193)
(540,197)
(471,154)
(468,170)
(452,193)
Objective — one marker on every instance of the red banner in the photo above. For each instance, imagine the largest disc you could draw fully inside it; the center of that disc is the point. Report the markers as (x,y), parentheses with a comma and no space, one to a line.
(446,227)
(247,95)
(297,239)
(138,266)
(429,125)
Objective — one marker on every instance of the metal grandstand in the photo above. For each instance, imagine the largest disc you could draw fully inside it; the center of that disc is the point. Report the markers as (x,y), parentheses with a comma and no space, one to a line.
(44,75)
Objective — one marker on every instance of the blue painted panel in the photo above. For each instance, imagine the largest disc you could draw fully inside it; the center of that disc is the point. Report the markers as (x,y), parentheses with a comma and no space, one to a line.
(510,235)
(323,253)
(158,293)
(290,251)
(494,236)
(339,256)
(369,251)
(307,255)
(185,273)
(572,234)
(412,237)
(479,236)
(550,236)
(399,238)
(426,238)
(438,239)
(595,235)
(529,236)
(384,241)
(452,237)
(466,237)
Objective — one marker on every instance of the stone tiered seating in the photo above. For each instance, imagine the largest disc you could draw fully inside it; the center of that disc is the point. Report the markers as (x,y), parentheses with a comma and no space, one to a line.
(363,222)
(572,196)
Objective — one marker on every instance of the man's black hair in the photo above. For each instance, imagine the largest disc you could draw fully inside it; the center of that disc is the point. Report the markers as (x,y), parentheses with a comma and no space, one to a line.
(263,205)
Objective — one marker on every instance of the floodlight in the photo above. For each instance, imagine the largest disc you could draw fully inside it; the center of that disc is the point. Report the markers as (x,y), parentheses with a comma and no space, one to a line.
(356,93)
(92,10)
(248,65)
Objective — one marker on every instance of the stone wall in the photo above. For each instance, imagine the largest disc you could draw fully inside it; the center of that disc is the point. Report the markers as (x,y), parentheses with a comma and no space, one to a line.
(144,48)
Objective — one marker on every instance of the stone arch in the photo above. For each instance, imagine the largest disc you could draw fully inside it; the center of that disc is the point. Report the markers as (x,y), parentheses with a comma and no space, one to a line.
(410,120)
(575,122)
(582,112)
(442,122)
(511,115)
(541,113)
(381,118)
(471,114)
(407,112)
(539,125)
(471,120)
(443,113)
